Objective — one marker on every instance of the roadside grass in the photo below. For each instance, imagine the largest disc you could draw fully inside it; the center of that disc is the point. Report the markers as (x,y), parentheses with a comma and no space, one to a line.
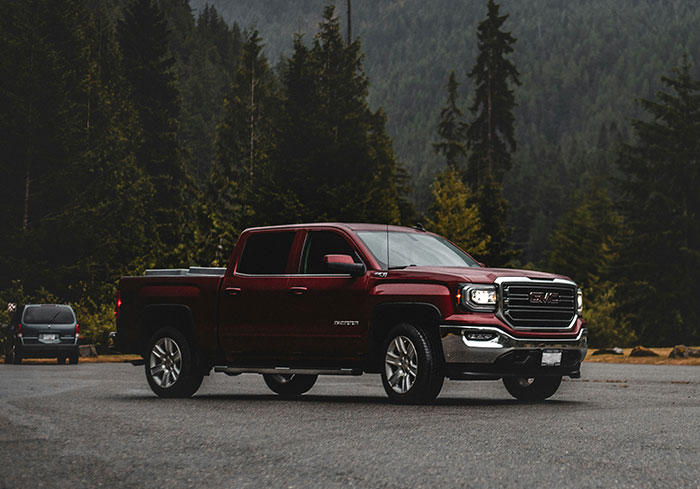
(662,359)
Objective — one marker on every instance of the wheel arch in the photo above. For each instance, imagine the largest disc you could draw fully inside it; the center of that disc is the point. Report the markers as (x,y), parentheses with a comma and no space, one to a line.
(157,316)
(385,316)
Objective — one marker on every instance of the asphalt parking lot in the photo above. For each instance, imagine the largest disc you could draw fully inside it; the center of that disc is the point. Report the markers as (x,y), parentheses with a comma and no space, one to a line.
(98,425)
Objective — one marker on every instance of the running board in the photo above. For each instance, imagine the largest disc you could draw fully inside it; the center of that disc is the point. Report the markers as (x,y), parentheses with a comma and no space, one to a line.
(288,371)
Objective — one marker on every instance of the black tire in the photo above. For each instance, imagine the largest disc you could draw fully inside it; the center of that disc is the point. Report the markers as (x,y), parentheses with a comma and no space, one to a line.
(533,388)
(74,358)
(290,385)
(170,365)
(412,369)
(61,360)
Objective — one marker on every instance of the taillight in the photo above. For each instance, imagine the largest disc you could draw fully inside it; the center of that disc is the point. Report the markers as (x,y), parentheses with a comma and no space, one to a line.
(118,305)
(77,329)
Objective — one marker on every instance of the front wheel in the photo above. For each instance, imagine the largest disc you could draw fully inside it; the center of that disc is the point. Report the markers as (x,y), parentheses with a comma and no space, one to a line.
(531,388)
(289,385)
(413,371)
(170,365)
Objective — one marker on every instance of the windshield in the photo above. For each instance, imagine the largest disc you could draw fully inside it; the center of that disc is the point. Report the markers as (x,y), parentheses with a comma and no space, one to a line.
(414,249)
(48,315)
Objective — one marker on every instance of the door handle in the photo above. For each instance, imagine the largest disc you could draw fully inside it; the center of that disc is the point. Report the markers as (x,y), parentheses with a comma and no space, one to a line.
(233,290)
(298,290)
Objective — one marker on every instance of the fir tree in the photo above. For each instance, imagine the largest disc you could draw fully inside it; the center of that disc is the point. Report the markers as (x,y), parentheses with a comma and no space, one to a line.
(451,128)
(490,136)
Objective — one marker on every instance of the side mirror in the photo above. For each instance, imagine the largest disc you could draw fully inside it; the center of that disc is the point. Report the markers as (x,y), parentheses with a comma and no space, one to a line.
(344,264)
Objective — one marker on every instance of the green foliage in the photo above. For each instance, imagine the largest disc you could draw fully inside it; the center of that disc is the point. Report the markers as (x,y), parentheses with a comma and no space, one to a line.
(605,328)
(149,70)
(660,255)
(584,248)
(455,216)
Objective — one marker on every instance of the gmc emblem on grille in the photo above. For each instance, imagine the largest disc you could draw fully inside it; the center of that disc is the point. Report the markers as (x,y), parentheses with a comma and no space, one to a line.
(537,297)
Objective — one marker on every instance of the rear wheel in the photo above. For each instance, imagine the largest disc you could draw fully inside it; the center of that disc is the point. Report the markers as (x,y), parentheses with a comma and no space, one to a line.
(170,365)
(531,388)
(73,359)
(290,385)
(413,371)
(61,360)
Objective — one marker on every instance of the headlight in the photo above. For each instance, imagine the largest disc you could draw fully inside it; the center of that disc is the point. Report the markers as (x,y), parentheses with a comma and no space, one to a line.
(579,301)
(479,297)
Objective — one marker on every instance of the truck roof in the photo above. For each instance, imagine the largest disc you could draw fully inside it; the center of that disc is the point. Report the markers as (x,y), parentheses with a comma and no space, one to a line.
(341,225)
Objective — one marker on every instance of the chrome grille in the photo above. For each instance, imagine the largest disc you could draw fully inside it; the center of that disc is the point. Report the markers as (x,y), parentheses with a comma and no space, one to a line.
(538,305)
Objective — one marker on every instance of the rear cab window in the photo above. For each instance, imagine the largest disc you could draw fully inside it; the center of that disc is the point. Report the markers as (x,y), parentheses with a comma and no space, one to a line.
(266,253)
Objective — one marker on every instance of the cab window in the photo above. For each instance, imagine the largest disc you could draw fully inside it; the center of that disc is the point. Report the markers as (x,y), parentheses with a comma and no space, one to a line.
(319,244)
(266,253)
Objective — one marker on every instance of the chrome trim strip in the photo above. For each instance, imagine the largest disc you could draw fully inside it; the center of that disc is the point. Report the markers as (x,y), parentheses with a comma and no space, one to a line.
(287,370)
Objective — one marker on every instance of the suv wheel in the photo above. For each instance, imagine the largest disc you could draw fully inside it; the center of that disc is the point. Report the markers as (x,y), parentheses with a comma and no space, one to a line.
(412,370)
(532,388)
(170,365)
(73,358)
(289,385)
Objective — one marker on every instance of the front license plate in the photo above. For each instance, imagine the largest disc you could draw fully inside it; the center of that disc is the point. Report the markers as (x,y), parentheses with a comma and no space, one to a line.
(551,358)
(48,337)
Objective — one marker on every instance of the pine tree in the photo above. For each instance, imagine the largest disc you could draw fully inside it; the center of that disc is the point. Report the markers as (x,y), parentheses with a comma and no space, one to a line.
(454,216)
(660,256)
(451,128)
(490,136)
(331,145)
(143,36)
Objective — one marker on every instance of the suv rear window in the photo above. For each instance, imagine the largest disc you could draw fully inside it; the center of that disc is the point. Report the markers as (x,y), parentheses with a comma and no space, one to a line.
(266,253)
(48,315)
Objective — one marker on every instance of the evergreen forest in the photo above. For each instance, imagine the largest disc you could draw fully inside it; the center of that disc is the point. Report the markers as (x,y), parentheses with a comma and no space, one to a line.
(545,134)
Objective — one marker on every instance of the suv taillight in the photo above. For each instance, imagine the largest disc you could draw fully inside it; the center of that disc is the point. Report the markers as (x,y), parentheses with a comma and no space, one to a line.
(118,303)
(77,330)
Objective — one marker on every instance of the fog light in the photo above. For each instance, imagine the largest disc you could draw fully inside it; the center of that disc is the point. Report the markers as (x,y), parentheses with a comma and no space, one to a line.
(480,336)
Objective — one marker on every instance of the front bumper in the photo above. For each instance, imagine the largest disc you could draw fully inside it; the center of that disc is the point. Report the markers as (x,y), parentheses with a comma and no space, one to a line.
(504,355)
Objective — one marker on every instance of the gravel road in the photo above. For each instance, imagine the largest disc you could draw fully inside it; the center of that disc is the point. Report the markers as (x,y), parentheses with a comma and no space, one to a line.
(98,425)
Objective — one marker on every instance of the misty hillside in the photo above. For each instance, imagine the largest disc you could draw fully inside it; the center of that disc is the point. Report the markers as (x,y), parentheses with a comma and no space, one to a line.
(582,65)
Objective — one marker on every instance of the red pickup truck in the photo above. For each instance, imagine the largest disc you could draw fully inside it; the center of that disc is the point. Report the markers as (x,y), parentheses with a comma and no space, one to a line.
(304,300)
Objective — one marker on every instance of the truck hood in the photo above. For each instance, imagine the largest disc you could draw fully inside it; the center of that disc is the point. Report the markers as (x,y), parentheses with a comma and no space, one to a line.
(471,274)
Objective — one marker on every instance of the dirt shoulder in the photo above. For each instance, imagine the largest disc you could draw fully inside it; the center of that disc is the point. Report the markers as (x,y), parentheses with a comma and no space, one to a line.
(662,359)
